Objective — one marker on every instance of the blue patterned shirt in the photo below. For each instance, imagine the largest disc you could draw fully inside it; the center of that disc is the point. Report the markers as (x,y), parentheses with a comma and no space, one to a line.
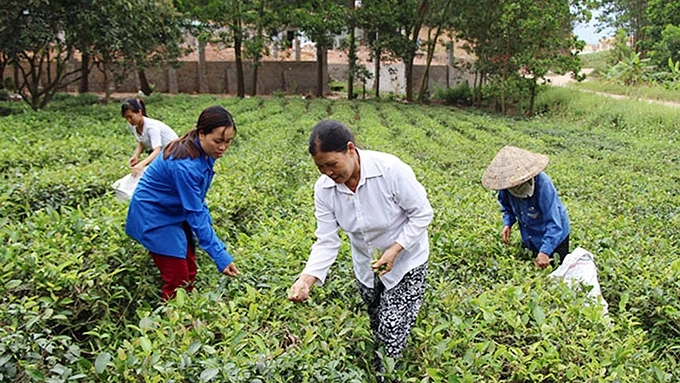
(543,220)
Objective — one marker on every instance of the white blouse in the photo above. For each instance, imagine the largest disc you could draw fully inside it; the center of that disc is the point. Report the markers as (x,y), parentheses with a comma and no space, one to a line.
(154,134)
(389,206)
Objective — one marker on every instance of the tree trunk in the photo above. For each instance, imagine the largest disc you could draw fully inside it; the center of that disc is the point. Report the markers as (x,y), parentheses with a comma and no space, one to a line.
(376,83)
(478,89)
(17,85)
(297,49)
(532,98)
(408,73)
(450,60)
(107,83)
(432,43)
(320,62)
(84,73)
(256,69)
(238,42)
(352,55)
(202,76)
(144,85)
(258,54)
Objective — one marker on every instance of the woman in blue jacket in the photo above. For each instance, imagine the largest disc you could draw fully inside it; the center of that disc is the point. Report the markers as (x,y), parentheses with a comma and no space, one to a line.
(528,196)
(168,206)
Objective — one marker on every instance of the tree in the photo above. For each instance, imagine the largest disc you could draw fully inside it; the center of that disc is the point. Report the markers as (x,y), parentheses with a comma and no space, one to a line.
(320,20)
(224,18)
(518,41)
(379,22)
(439,20)
(264,19)
(479,27)
(631,15)
(41,39)
(37,39)
(548,43)
(411,16)
(352,16)
(663,31)
(106,37)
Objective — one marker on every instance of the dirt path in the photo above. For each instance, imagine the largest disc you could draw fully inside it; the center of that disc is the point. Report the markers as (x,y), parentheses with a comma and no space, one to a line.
(564,80)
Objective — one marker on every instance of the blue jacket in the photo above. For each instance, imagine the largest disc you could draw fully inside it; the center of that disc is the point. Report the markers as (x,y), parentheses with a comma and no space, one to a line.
(170,193)
(543,220)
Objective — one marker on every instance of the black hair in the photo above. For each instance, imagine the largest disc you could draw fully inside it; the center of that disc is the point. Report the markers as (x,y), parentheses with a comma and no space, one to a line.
(133,104)
(329,136)
(211,118)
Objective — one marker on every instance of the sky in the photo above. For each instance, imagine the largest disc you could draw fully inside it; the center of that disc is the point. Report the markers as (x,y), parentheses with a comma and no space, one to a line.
(588,32)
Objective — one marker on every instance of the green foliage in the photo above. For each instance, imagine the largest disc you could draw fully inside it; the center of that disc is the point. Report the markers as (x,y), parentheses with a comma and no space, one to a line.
(461,94)
(338,86)
(38,37)
(43,37)
(663,34)
(8,84)
(669,79)
(632,70)
(621,51)
(81,99)
(515,41)
(4,95)
(627,15)
(668,48)
(79,299)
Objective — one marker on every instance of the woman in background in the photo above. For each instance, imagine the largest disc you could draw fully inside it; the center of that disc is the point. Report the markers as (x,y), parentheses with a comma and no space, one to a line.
(152,135)
(527,196)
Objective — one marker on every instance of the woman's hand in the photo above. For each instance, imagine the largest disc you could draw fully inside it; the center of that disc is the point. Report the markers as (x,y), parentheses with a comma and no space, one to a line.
(134,160)
(505,234)
(542,260)
(137,170)
(299,291)
(387,259)
(230,270)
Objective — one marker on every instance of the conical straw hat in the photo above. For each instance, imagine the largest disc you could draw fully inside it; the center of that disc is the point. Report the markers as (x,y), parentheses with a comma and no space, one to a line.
(512,166)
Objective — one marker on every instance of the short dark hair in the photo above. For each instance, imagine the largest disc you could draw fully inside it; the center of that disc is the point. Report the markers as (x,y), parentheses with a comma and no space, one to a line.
(133,104)
(211,118)
(329,136)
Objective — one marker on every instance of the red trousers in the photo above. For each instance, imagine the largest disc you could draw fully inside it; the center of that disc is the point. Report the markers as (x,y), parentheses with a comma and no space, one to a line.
(177,272)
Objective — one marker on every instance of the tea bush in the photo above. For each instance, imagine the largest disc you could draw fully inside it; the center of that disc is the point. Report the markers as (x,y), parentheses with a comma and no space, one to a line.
(79,300)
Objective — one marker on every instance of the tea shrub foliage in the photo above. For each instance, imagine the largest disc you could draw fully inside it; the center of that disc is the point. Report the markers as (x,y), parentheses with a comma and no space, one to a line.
(80,300)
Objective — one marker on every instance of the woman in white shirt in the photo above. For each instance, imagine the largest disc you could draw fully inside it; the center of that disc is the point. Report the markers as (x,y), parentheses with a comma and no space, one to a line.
(376,200)
(152,135)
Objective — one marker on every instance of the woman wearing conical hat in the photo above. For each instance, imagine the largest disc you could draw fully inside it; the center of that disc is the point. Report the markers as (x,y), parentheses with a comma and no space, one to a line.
(528,196)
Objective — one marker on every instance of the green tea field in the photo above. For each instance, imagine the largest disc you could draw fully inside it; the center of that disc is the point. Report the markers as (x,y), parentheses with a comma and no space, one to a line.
(79,300)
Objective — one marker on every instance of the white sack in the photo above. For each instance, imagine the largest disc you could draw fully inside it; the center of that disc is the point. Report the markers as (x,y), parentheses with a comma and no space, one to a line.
(579,267)
(125,186)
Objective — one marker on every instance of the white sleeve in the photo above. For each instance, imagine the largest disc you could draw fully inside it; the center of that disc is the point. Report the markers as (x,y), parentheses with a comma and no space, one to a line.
(155,137)
(325,249)
(411,196)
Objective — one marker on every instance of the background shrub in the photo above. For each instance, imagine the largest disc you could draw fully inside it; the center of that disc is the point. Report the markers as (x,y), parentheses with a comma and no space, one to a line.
(461,94)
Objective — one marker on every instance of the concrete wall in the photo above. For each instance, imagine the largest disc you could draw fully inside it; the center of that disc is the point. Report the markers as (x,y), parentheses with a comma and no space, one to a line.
(392,76)
(289,77)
